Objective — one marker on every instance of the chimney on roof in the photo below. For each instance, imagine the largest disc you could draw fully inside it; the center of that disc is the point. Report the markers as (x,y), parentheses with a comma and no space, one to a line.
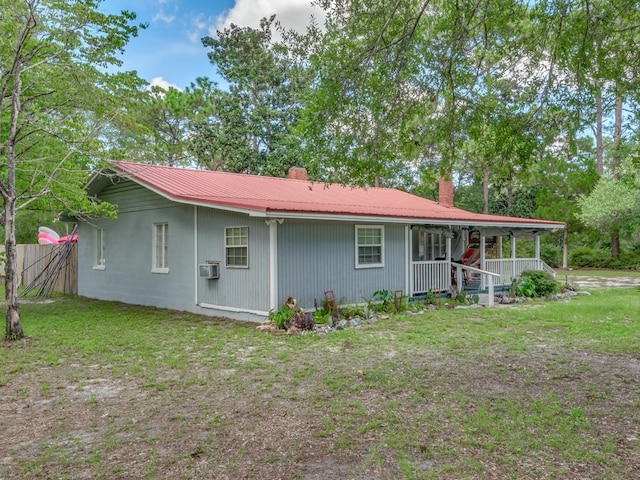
(298,173)
(445,192)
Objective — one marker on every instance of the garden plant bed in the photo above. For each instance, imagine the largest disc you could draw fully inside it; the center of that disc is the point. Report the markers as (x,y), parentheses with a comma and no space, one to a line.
(104,390)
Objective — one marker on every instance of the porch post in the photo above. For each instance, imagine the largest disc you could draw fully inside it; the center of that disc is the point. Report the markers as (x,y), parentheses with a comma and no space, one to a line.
(513,256)
(408,240)
(448,244)
(536,238)
(483,258)
(273,263)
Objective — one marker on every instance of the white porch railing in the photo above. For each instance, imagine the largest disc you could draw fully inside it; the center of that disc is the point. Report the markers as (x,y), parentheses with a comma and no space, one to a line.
(510,268)
(487,278)
(433,276)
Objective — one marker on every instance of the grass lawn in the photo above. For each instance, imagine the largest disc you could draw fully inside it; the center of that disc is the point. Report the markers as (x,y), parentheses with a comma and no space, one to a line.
(541,390)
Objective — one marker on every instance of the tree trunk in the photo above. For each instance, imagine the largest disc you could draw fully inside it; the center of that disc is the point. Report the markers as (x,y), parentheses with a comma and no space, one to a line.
(599,140)
(13,324)
(485,190)
(615,167)
(565,248)
(615,244)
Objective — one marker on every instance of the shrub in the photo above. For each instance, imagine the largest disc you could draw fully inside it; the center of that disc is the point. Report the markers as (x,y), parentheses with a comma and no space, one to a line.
(551,255)
(589,257)
(626,260)
(542,282)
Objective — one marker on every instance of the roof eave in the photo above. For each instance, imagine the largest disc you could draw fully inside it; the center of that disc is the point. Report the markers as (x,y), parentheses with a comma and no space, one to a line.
(409,220)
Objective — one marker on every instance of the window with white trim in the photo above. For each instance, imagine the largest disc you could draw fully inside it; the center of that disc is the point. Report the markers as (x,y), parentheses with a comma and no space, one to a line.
(369,246)
(160,248)
(98,262)
(236,245)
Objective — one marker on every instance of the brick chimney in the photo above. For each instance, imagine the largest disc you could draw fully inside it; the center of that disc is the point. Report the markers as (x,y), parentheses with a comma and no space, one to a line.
(298,173)
(445,192)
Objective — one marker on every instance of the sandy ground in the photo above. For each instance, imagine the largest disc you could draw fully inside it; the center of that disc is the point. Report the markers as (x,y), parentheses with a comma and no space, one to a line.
(596,281)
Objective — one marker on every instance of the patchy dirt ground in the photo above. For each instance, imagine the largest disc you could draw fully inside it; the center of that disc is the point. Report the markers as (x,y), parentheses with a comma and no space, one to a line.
(596,281)
(342,411)
(106,427)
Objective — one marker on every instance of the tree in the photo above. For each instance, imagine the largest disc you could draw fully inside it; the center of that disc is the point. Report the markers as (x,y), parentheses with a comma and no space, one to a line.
(614,203)
(248,130)
(596,49)
(403,85)
(55,93)
(159,125)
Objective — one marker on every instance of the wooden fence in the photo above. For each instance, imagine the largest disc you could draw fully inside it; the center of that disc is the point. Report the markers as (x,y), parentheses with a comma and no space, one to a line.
(49,266)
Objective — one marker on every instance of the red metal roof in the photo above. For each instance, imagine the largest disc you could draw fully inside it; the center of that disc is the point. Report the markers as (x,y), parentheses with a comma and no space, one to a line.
(272,195)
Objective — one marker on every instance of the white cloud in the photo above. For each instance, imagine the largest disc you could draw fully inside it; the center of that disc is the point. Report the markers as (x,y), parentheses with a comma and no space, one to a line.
(162,15)
(294,14)
(162,83)
(199,27)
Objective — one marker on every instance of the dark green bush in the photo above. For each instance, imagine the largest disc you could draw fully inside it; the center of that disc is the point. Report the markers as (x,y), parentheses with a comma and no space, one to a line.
(551,255)
(589,257)
(629,260)
(543,282)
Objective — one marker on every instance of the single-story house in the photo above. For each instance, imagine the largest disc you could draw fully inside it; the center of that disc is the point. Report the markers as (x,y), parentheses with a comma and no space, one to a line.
(237,245)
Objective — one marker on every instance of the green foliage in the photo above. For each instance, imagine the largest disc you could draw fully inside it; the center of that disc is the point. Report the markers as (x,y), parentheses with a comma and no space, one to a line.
(599,258)
(248,130)
(57,88)
(352,311)
(626,260)
(321,316)
(282,318)
(551,255)
(614,202)
(537,283)
(589,257)
(382,300)
(518,203)
(523,287)
(158,126)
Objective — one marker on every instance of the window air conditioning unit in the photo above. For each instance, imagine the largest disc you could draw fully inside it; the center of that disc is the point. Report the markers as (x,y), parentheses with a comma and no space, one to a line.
(209,270)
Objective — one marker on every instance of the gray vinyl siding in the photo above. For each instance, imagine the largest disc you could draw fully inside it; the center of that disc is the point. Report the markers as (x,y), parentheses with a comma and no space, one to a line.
(128,251)
(244,288)
(314,257)
(131,198)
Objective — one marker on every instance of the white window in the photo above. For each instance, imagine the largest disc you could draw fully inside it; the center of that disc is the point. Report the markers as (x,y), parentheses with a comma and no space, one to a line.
(369,246)
(236,244)
(160,248)
(98,262)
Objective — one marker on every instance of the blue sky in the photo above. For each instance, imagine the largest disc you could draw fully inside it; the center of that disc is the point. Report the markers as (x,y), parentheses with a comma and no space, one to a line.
(170,51)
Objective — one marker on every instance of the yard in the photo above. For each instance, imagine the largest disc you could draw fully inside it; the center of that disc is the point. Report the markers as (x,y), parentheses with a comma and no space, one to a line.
(529,391)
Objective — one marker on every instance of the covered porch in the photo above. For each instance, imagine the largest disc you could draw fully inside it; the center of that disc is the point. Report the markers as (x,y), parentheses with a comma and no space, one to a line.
(472,257)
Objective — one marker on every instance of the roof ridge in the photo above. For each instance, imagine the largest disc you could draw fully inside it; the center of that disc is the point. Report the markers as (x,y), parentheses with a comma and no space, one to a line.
(255,175)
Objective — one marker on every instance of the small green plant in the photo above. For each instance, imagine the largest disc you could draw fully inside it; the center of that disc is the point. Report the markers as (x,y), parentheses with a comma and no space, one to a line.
(352,311)
(524,287)
(282,318)
(321,315)
(432,298)
(382,300)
